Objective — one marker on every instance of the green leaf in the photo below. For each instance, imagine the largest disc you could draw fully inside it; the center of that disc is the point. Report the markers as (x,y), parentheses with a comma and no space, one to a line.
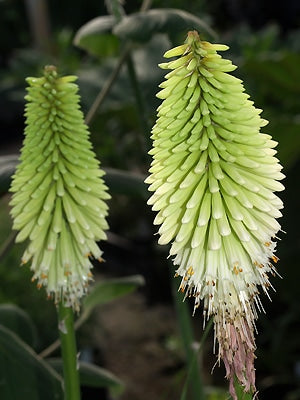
(285,130)
(274,79)
(123,182)
(96,37)
(106,291)
(19,322)
(140,27)
(91,375)
(23,374)
(215,393)
(7,168)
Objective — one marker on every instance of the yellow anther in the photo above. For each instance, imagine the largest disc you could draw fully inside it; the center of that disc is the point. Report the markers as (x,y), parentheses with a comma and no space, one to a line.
(190,271)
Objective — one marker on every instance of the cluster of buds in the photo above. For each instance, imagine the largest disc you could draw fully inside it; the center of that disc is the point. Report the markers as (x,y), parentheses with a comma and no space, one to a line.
(59,195)
(214,175)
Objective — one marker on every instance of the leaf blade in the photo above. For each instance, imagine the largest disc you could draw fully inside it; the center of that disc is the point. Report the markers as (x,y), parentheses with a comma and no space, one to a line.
(19,322)
(38,380)
(91,375)
(109,290)
(96,37)
(8,165)
(140,27)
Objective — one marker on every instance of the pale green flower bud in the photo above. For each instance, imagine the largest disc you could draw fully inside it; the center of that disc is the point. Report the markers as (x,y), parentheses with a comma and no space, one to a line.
(59,195)
(214,175)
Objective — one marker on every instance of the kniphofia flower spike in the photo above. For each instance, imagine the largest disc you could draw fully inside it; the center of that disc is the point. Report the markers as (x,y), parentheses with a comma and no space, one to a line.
(58,200)
(214,175)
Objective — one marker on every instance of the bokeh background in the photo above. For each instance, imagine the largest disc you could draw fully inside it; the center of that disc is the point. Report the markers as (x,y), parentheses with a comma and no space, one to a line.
(138,338)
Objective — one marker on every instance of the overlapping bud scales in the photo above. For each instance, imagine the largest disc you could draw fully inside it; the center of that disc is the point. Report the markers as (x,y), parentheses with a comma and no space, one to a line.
(58,190)
(214,175)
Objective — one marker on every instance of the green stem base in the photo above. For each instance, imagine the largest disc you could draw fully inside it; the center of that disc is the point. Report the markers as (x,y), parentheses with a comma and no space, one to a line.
(69,352)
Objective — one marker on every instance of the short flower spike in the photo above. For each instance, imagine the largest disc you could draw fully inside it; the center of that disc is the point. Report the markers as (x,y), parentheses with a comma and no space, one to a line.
(58,190)
(214,175)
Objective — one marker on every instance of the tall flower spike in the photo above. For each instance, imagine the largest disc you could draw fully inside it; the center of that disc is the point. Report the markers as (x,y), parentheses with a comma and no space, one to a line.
(58,190)
(214,175)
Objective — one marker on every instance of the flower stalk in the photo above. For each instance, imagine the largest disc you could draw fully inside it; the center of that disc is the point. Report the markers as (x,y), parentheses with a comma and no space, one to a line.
(69,352)
(214,174)
(194,378)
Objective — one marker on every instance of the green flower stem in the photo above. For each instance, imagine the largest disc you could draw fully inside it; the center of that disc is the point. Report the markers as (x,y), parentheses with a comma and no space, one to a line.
(194,361)
(107,86)
(57,343)
(146,5)
(241,395)
(9,242)
(139,99)
(186,332)
(118,12)
(69,352)
(116,9)
(109,83)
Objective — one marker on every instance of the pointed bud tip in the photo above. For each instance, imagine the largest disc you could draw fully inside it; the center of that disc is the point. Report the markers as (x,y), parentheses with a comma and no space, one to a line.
(50,68)
(193,35)
(50,71)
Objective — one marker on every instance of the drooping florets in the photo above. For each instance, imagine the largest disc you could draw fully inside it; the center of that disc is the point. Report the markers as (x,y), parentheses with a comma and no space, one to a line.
(214,175)
(58,190)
